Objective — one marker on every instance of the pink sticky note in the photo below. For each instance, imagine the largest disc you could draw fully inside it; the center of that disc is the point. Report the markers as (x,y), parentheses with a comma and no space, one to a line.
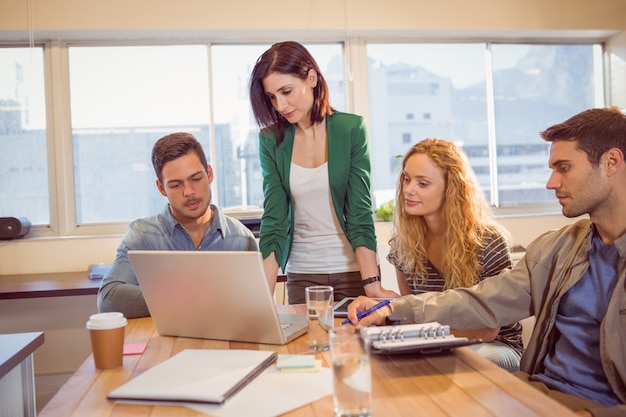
(134,348)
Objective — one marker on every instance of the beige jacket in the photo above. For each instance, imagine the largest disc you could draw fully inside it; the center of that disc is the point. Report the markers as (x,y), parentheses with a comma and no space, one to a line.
(553,263)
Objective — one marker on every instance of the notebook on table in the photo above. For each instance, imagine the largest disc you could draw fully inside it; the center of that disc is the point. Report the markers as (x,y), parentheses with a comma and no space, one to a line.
(196,377)
(220,295)
(429,337)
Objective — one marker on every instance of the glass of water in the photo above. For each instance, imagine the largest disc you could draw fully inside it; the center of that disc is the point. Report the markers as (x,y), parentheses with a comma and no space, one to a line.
(352,376)
(319,304)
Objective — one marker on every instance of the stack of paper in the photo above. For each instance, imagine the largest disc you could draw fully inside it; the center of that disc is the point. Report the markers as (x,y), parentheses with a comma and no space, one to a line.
(227,383)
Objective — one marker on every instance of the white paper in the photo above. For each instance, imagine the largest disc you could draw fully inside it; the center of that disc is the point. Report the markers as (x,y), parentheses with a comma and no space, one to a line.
(273,393)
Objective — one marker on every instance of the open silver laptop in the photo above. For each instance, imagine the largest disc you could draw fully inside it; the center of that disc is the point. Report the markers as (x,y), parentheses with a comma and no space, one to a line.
(213,295)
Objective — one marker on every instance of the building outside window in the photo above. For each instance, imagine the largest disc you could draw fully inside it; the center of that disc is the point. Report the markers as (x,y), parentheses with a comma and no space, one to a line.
(24,190)
(493,105)
(123,98)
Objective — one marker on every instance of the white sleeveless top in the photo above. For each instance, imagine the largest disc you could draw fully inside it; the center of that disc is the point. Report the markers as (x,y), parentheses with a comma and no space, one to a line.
(319,243)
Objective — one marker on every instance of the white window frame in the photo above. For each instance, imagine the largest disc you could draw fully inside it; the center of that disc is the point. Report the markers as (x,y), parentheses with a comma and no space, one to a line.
(59,133)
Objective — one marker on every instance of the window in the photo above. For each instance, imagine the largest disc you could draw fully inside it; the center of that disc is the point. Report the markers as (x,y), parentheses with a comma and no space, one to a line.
(534,86)
(23,159)
(122,100)
(532,92)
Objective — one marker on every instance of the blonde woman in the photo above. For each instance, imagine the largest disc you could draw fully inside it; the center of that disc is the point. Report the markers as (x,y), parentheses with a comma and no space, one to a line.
(444,237)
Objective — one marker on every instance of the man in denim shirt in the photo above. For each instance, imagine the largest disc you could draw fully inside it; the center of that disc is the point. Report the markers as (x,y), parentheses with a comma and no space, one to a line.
(188,222)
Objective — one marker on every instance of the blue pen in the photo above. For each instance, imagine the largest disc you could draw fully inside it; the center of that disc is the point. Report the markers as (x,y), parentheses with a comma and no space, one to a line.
(368,311)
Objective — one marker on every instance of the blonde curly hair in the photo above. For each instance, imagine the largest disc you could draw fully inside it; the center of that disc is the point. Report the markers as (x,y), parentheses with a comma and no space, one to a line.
(465,210)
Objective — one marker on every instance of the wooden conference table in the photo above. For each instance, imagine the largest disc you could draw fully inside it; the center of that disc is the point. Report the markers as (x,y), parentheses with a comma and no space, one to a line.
(457,383)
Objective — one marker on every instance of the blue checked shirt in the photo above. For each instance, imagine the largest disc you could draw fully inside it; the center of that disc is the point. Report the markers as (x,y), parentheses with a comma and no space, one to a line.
(120,291)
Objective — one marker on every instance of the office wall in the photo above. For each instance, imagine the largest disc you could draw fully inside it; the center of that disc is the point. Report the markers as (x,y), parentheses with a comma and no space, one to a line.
(32,256)
(616,47)
(413,16)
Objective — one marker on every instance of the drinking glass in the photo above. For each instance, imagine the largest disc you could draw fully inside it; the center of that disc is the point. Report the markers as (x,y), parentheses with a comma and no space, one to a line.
(352,376)
(319,304)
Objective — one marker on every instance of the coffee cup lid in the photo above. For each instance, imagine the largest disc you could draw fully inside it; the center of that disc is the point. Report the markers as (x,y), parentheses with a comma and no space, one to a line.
(102,321)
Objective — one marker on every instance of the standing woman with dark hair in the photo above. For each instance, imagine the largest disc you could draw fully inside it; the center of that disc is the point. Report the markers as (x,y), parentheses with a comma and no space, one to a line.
(317,223)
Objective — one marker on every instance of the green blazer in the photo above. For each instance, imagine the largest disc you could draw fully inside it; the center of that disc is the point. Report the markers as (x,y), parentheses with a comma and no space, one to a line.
(349,176)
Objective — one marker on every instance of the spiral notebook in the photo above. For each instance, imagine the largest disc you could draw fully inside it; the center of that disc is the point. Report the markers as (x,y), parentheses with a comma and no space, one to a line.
(429,337)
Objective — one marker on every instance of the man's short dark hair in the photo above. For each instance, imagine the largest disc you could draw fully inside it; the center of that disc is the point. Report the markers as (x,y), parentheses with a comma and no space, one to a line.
(174,146)
(595,132)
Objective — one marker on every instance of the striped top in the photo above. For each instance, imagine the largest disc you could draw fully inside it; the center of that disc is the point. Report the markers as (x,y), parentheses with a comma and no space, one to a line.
(494,256)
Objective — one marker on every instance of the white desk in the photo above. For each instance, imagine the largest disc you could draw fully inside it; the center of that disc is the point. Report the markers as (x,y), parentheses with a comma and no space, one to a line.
(17,378)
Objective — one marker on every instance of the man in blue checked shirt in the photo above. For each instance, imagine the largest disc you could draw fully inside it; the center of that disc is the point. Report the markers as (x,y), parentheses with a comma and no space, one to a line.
(188,222)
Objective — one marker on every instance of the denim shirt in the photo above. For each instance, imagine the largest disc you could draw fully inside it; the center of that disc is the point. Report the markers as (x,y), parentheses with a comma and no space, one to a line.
(120,291)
